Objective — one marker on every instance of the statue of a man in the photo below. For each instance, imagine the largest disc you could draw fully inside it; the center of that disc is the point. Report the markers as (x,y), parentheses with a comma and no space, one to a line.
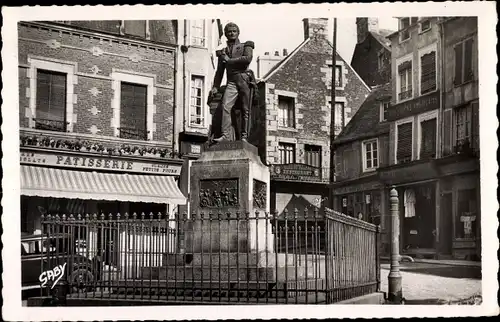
(235,59)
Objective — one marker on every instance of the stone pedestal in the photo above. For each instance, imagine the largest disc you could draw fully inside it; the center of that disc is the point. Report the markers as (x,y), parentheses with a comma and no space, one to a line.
(227,182)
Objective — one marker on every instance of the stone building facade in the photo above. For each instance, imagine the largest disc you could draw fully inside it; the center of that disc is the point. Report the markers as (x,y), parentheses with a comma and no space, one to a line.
(296,95)
(97,110)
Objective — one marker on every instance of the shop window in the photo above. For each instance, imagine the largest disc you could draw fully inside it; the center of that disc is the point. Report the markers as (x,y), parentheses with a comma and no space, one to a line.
(466,221)
(463,62)
(428,73)
(287,153)
(50,101)
(428,139)
(370,155)
(313,155)
(138,28)
(286,111)
(404,142)
(198,33)
(133,121)
(405,82)
(196,116)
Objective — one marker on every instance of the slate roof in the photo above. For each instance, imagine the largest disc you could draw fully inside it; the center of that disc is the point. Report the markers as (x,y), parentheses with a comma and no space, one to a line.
(366,122)
(381,35)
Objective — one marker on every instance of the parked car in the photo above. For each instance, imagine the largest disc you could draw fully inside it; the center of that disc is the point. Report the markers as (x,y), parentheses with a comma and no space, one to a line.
(41,253)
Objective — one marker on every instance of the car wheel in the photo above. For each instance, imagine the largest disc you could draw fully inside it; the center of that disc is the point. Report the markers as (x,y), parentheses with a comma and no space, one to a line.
(81,280)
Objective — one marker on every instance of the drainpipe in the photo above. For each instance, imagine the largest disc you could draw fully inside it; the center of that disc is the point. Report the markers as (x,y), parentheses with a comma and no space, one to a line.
(184,50)
(174,140)
(332,115)
(441,88)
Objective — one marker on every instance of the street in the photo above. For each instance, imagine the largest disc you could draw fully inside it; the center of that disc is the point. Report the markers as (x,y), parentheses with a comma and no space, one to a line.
(427,283)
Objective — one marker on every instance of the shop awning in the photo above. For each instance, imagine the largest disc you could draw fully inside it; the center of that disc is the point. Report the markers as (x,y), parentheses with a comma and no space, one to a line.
(59,183)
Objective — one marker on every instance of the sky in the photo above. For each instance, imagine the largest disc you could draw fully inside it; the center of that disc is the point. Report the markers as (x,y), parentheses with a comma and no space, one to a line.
(271,35)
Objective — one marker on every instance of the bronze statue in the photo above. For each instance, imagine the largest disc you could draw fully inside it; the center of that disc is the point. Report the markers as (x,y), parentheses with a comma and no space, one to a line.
(230,104)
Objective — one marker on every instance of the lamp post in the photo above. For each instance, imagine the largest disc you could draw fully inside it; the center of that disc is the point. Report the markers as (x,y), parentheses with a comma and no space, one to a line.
(394,280)
(332,115)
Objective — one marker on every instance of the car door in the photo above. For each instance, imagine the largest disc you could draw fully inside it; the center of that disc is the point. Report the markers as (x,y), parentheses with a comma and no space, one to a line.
(31,263)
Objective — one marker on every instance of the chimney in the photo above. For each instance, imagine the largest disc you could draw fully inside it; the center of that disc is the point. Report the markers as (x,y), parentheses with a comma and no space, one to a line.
(276,53)
(285,52)
(267,62)
(364,26)
(316,27)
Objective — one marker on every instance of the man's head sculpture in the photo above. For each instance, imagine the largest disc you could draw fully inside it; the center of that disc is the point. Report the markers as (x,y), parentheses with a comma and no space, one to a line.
(231,31)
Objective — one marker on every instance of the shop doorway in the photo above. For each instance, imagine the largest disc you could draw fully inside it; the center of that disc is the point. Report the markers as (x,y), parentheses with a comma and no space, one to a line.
(446,223)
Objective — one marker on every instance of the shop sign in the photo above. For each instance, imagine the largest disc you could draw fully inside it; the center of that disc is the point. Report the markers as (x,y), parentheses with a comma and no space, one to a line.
(295,172)
(413,107)
(97,163)
(358,188)
(408,173)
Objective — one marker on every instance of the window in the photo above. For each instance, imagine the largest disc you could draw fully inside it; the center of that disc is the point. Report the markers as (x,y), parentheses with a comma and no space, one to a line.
(428,129)
(428,72)
(425,25)
(466,220)
(196,105)
(286,111)
(380,61)
(338,76)
(404,23)
(50,101)
(287,153)
(405,89)
(133,111)
(404,142)
(138,28)
(313,155)
(463,62)
(384,107)
(463,129)
(370,155)
(198,32)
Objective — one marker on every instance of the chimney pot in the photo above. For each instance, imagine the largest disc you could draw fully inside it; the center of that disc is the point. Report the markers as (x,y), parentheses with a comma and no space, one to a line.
(285,52)
(276,53)
(266,53)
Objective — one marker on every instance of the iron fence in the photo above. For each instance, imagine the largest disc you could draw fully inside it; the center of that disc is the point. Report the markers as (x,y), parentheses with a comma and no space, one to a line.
(215,257)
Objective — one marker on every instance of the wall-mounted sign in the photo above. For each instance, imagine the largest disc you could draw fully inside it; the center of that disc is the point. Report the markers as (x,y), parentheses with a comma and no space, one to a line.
(97,163)
(195,148)
(415,106)
(295,172)
(408,173)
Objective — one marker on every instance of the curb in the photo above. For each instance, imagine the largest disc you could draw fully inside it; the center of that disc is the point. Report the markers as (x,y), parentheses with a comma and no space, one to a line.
(441,262)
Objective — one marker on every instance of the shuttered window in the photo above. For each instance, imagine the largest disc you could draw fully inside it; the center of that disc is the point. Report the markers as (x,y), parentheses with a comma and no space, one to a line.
(428,139)
(463,62)
(405,81)
(198,32)
(428,73)
(313,155)
(404,143)
(50,101)
(133,111)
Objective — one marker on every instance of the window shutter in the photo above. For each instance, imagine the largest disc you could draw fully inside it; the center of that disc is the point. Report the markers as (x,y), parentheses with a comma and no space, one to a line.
(448,131)
(458,64)
(468,73)
(428,144)
(428,72)
(133,111)
(404,143)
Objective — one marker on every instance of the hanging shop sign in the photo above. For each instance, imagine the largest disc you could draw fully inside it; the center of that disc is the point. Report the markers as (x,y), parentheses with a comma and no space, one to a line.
(78,161)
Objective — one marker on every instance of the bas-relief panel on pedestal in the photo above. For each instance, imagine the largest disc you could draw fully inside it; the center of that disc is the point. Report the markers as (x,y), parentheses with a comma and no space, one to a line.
(219,193)
(259,194)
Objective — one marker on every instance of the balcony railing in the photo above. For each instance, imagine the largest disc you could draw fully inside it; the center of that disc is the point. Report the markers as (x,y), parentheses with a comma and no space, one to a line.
(50,125)
(405,95)
(464,147)
(133,133)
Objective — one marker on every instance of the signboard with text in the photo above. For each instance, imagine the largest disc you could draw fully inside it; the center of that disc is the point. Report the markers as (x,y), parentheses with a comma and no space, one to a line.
(415,106)
(97,163)
(295,172)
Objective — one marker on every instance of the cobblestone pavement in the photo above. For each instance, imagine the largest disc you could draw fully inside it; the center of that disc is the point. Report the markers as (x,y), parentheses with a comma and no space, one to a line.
(419,287)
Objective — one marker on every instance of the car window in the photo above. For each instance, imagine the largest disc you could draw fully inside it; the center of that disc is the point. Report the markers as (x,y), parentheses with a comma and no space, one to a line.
(30,247)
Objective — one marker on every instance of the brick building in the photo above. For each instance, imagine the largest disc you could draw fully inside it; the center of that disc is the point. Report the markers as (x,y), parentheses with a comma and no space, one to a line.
(295,94)
(96,113)
(363,145)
